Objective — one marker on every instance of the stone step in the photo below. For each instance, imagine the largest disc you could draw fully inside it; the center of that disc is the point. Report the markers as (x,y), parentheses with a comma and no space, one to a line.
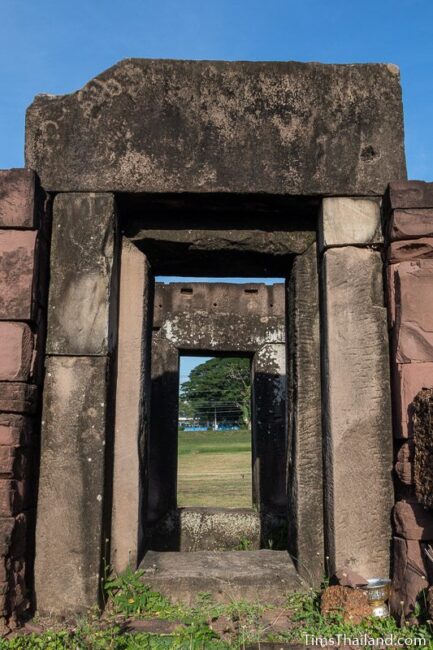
(265,576)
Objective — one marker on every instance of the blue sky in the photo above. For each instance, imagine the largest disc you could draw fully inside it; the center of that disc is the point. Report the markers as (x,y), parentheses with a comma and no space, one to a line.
(56,46)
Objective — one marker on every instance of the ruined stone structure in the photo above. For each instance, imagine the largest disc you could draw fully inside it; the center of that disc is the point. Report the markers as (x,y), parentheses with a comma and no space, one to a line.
(226,169)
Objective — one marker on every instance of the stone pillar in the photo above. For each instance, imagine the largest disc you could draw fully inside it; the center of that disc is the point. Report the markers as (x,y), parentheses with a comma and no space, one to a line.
(132,406)
(356,389)
(409,220)
(24,235)
(269,429)
(72,530)
(162,448)
(305,466)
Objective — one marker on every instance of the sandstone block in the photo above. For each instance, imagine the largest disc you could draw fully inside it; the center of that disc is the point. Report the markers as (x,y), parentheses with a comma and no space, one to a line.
(132,412)
(413,521)
(410,224)
(404,472)
(346,221)
(412,249)
(305,482)
(5,567)
(423,439)
(409,577)
(358,415)
(406,451)
(410,194)
(17,351)
(17,198)
(13,463)
(6,529)
(18,397)
(409,379)
(413,328)
(13,535)
(17,264)
(15,430)
(71,484)
(215,126)
(7,461)
(404,469)
(82,274)
(14,497)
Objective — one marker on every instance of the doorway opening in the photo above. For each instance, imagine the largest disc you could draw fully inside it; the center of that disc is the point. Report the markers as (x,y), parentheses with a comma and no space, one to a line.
(214,432)
(217,457)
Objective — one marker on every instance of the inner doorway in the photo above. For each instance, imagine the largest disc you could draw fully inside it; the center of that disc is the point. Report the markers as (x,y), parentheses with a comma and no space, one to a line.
(231,322)
(214,433)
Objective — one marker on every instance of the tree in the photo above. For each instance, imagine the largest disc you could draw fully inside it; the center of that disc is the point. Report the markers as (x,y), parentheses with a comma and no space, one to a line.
(220,388)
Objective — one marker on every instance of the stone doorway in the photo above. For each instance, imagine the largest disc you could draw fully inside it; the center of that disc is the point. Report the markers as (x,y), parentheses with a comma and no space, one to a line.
(220,318)
(147,177)
(214,442)
(257,320)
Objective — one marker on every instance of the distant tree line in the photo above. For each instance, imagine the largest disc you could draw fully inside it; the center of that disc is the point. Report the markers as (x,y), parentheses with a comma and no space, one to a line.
(218,389)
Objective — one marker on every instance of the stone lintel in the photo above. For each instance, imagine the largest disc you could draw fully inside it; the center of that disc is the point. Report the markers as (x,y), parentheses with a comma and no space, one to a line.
(148,125)
(222,332)
(247,299)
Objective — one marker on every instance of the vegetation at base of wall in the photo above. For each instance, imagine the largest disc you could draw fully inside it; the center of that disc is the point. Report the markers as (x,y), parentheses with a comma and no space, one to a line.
(308,621)
(129,598)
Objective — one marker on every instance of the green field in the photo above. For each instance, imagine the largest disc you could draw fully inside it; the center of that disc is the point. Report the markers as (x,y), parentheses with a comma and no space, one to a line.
(214,469)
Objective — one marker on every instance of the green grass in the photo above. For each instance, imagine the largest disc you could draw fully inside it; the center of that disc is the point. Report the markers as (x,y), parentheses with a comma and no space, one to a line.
(129,597)
(214,469)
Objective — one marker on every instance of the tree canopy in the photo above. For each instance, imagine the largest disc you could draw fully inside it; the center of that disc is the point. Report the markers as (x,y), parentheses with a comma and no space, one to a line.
(221,387)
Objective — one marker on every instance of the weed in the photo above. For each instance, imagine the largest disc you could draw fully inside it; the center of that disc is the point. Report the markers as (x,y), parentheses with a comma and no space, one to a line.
(129,597)
(245,544)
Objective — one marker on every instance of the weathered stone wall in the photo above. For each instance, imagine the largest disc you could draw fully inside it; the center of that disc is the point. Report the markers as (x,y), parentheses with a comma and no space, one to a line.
(24,236)
(409,221)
